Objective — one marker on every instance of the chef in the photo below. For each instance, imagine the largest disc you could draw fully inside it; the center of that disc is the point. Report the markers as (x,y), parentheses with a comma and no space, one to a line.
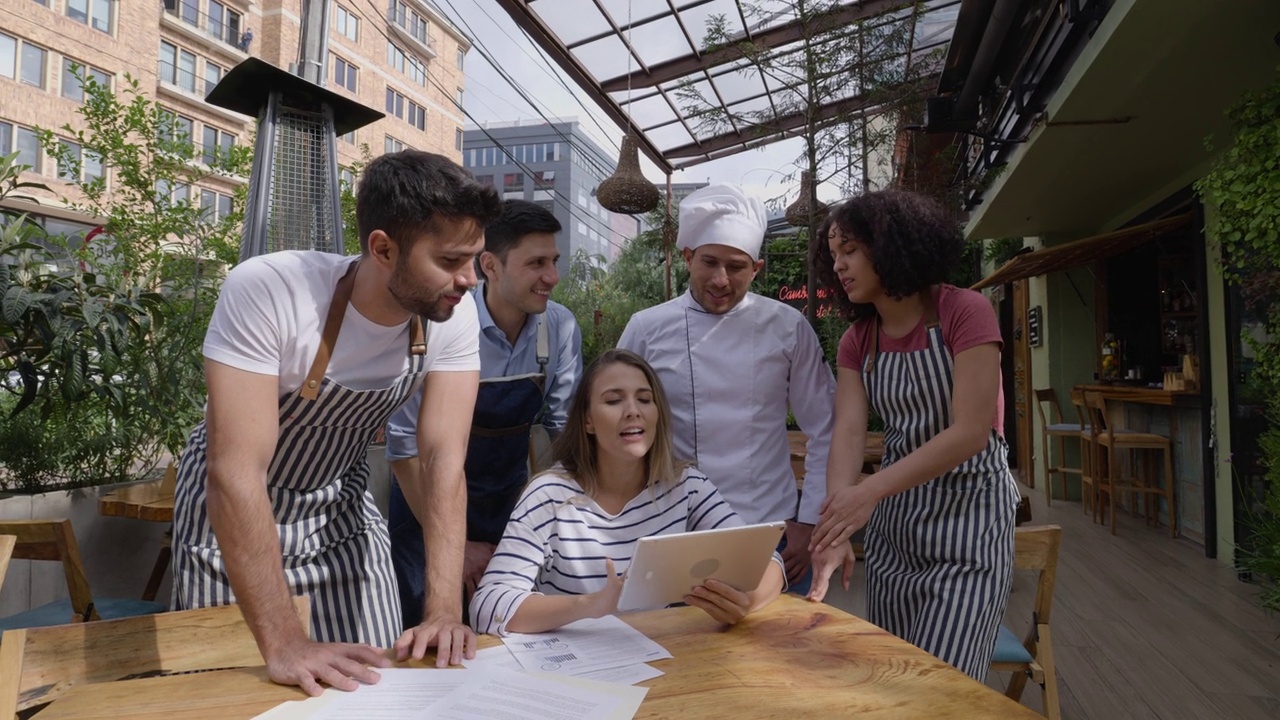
(733,363)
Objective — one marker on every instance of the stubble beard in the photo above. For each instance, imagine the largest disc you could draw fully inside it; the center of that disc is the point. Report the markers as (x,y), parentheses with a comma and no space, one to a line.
(417,300)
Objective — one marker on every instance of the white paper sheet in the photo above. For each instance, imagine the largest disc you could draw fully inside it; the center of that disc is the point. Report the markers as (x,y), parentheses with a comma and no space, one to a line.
(500,657)
(584,646)
(504,695)
(401,693)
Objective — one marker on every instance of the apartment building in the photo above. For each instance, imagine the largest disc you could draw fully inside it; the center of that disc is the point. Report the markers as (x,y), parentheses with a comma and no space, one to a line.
(558,166)
(400,56)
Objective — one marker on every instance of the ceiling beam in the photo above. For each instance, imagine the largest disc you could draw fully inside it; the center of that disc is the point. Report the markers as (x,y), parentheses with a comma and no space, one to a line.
(793,31)
(786,124)
(545,37)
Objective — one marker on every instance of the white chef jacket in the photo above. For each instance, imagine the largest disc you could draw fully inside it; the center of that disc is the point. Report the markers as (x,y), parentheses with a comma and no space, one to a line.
(730,379)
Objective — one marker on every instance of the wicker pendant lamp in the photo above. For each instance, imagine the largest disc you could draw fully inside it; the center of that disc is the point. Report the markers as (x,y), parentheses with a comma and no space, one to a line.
(798,212)
(626,191)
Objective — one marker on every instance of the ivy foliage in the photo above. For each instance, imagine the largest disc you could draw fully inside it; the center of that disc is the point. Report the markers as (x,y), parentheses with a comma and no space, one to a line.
(1244,189)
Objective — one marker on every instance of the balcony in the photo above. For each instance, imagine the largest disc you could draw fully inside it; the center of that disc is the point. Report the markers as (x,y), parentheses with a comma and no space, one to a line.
(411,28)
(184,86)
(221,33)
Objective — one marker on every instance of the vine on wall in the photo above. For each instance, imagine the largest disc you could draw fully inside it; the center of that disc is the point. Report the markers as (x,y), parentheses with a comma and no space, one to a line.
(1244,188)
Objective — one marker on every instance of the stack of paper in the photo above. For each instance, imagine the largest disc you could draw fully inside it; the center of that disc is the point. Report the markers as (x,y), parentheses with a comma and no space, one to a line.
(582,671)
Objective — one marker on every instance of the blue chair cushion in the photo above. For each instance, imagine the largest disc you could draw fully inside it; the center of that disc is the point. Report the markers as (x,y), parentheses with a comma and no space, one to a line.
(1067,427)
(59,612)
(1009,648)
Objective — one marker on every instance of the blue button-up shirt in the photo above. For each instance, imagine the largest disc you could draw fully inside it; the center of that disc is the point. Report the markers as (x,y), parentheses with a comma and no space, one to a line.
(500,358)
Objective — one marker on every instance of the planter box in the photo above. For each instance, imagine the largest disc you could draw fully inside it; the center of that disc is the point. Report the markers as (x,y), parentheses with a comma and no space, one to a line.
(118,553)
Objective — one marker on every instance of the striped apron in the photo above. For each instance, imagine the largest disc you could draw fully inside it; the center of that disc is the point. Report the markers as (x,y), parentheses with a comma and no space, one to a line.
(939,556)
(332,538)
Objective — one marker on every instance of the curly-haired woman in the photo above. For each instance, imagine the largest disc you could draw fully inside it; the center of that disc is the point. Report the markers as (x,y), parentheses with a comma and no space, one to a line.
(925,356)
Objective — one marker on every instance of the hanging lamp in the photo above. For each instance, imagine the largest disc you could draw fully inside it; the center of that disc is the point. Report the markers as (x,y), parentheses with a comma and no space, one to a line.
(798,212)
(626,190)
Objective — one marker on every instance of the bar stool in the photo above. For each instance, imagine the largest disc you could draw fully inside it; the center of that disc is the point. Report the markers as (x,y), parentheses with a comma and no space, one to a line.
(1109,442)
(1088,478)
(1060,431)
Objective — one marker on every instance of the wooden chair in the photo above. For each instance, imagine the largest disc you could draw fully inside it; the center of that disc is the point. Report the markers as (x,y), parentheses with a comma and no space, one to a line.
(1053,426)
(1088,483)
(7,543)
(1035,548)
(54,540)
(38,665)
(1109,442)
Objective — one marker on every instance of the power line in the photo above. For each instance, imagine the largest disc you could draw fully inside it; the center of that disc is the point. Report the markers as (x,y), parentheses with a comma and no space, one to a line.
(527,170)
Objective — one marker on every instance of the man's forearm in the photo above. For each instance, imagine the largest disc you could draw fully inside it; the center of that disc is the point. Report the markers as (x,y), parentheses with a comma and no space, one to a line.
(250,544)
(444,533)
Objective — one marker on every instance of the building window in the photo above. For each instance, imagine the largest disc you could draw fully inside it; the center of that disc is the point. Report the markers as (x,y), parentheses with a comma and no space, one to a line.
(94,13)
(344,73)
(544,180)
(92,166)
(458,97)
(395,103)
(72,87)
(417,116)
(513,182)
(413,23)
(348,137)
(69,170)
(212,75)
(347,23)
(177,67)
(224,23)
(217,145)
(214,206)
(33,58)
(347,179)
(462,56)
(457,139)
(407,64)
(6,138)
(393,145)
(8,57)
(176,129)
(27,144)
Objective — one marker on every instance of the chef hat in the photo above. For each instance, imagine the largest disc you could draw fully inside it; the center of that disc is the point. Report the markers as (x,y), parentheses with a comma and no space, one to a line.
(722,215)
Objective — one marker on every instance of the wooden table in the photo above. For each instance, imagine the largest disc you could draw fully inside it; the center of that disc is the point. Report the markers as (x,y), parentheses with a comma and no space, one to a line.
(793,659)
(872,456)
(143,501)
(152,501)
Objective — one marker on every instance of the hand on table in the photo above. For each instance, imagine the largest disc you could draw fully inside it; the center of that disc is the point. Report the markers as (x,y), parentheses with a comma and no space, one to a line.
(721,601)
(451,638)
(307,664)
(824,563)
(795,556)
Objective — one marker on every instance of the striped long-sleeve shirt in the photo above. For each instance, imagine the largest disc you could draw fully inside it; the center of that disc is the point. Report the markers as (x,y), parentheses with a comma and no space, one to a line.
(557,539)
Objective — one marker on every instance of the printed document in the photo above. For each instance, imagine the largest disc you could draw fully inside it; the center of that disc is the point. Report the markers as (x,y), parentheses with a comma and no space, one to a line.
(584,646)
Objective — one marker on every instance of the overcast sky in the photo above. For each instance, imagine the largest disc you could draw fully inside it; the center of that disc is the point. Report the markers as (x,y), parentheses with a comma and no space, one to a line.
(769,173)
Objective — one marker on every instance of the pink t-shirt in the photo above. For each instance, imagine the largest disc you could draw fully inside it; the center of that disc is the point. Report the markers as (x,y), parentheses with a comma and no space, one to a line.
(967,320)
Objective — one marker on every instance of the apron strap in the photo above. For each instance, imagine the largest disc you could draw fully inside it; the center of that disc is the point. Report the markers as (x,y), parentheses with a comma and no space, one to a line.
(417,337)
(544,343)
(332,325)
(930,321)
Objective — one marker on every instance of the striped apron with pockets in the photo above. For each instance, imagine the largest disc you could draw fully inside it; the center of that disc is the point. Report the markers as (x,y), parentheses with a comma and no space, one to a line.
(333,540)
(939,556)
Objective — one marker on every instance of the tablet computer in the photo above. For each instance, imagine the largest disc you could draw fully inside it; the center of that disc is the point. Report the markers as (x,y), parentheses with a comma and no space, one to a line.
(665,568)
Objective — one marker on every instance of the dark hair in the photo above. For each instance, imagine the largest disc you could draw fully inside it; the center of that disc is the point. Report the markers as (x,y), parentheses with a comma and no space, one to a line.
(518,218)
(404,194)
(910,239)
(575,448)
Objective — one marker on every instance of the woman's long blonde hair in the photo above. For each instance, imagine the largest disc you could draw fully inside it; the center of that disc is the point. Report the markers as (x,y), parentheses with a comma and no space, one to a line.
(575,448)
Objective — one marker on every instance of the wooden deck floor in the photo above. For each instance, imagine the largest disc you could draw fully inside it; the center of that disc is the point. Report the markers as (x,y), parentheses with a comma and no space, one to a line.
(1144,626)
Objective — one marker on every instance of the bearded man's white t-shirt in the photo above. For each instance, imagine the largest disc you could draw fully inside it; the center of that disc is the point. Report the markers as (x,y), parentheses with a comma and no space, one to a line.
(271,313)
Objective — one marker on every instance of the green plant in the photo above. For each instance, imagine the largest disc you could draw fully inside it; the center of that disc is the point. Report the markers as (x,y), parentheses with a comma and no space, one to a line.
(1243,187)
(104,332)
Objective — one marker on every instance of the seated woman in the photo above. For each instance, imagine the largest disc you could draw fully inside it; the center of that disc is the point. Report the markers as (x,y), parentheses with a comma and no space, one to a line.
(575,527)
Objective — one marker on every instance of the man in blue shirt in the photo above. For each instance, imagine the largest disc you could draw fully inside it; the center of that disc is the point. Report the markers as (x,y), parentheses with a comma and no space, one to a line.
(530,362)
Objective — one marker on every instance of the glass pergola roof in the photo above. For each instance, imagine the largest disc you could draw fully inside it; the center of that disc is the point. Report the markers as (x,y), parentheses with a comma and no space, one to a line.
(699,79)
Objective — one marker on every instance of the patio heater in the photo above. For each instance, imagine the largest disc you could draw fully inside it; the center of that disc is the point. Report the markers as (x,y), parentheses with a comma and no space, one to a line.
(294,194)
